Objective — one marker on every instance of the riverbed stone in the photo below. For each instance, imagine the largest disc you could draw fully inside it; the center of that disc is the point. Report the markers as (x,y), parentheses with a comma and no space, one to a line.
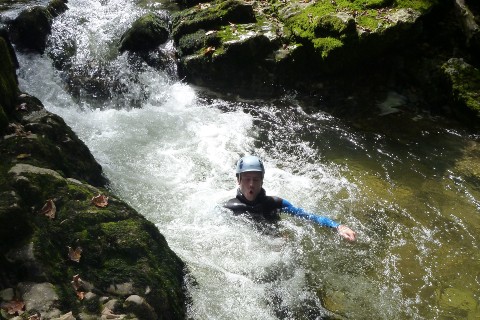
(40,297)
(139,306)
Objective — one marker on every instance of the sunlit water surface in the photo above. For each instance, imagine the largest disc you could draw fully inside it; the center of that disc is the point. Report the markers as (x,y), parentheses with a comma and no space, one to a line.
(413,199)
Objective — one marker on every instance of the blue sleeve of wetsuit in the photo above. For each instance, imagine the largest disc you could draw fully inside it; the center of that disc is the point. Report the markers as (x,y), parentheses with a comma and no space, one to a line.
(299,212)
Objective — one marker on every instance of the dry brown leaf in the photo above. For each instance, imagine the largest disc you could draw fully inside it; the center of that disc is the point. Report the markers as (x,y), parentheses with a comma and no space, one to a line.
(48,209)
(100,201)
(77,282)
(80,295)
(13,306)
(76,254)
(209,51)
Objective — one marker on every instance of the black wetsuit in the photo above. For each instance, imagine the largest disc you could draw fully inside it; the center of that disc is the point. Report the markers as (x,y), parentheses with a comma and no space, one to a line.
(267,209)
(263,208)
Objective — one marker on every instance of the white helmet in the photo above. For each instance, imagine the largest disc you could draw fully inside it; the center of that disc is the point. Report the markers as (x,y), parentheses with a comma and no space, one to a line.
(250,164)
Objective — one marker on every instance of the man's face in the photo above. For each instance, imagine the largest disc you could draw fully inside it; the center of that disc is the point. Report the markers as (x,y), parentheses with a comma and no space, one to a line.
(250,184)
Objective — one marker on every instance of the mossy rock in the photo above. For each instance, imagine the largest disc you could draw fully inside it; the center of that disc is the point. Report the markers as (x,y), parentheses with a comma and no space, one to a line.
(146,33)
(195,42)
(211,17)
(246,57)
(30,29)
(465,86)
(42,162)
(343,34)
(120,248)
(46,140)
(57,7)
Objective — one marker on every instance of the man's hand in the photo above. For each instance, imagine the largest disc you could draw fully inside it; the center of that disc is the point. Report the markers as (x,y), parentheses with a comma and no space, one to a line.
(346,232)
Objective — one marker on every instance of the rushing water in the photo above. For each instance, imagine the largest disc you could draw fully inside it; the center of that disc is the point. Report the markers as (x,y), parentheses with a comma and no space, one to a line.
(413,196)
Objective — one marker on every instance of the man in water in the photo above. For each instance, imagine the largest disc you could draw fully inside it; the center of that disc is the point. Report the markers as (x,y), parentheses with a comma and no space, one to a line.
(252,200)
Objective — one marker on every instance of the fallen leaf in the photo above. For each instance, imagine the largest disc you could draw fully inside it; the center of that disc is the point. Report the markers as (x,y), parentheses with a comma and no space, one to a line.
(13,306)
(75,255)
(23,156)
(48,209)
(209,51)
(77,282)
(100,201)
(80,295)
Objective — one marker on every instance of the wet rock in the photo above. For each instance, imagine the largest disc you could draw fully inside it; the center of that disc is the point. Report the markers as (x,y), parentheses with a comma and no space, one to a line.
(24,259)
(464,84)
(30,29)
(138,306)
(7,294)
(469,24)
(8,81)
(146,33)
(121,289)
(211,17)
(57,7)
(40,297)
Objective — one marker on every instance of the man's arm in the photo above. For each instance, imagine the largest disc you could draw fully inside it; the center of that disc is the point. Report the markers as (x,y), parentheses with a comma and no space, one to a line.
(343,230)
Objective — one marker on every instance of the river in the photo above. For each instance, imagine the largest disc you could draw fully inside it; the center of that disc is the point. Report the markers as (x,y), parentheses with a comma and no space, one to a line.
(169,150)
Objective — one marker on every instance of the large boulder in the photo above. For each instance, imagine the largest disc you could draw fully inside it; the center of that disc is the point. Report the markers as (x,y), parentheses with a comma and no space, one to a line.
(146,33)
(289,41)
(68,247)
(464,85)
(30,29)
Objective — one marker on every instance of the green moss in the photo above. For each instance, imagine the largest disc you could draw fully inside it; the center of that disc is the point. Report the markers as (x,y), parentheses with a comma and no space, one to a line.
(324,46)
(419,5)
(197,42)
(211,17)
(465,81)
(322,18)
(146,33)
